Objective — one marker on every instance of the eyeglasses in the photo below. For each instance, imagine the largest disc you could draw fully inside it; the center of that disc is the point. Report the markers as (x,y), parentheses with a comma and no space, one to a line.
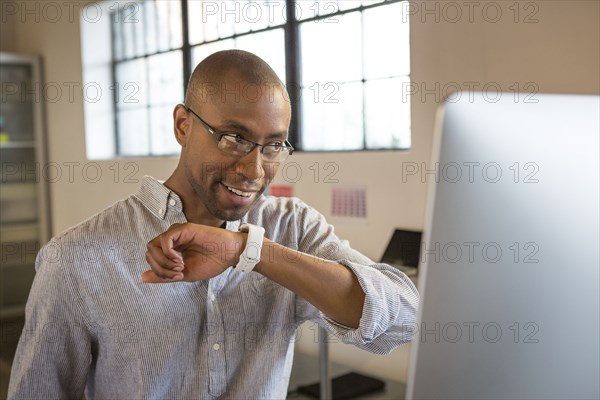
(233,143)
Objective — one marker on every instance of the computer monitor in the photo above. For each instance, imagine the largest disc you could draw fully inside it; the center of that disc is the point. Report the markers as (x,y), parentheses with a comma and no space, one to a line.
(509,266)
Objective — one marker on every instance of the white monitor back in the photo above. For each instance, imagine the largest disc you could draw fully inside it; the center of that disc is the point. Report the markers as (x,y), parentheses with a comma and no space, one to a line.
(509,275)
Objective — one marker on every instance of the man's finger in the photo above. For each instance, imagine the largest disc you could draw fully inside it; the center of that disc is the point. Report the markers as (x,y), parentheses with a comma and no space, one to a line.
(168,262)
(150,277)
(160,270)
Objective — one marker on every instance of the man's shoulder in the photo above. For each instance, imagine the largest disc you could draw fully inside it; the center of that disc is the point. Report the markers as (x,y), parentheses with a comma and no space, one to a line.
(103,237)
(120,217)
(269,205)
(105,222)
(282,210)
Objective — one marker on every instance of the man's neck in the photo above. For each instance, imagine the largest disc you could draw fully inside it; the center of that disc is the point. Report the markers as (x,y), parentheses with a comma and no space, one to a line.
(194,211)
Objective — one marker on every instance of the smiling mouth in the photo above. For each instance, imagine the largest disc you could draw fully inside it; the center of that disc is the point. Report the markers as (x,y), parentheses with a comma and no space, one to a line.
(239,192)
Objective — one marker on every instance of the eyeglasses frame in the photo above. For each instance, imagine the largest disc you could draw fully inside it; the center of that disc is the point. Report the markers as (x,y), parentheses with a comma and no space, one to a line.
(287,146)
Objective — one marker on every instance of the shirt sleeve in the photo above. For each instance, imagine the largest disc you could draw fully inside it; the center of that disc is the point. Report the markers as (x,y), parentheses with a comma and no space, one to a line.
(391,300)
(55,349)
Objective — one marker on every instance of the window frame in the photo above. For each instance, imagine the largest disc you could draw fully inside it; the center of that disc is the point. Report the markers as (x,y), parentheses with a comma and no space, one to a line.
(293,62)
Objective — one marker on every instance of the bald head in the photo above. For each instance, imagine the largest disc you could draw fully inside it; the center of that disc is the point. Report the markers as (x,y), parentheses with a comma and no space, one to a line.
(226,72)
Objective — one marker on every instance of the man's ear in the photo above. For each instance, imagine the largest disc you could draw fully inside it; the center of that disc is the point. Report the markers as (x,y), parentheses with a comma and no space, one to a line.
(182,124)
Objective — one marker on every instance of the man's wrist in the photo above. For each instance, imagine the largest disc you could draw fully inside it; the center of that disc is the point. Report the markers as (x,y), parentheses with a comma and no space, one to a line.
(251,254)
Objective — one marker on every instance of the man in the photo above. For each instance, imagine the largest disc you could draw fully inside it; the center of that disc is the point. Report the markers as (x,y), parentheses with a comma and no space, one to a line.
(225,323)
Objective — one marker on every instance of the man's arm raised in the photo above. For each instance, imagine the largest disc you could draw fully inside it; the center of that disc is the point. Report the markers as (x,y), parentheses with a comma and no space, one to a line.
(191,252)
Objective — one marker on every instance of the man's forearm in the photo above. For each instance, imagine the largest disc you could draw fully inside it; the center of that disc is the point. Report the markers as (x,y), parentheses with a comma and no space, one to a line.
(191,252)
(331,287)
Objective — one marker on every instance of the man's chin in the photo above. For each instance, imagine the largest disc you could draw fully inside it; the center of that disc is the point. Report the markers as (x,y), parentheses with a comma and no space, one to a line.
(234,214)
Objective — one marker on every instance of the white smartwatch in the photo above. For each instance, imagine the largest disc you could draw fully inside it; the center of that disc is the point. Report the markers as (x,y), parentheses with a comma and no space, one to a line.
(251,254)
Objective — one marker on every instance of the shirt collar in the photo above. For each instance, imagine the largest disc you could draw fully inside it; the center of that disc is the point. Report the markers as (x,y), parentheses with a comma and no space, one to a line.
(158,198)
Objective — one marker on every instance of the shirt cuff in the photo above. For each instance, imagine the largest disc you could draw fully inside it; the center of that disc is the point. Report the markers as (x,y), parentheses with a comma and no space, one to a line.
(387,292)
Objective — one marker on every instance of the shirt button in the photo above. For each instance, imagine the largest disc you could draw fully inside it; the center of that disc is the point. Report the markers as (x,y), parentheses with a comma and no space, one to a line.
(212,297)
(216,346)
(172,202)
(161,211)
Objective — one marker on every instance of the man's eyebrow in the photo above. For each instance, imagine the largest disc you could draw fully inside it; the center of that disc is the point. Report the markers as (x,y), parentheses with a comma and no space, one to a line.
(233,126)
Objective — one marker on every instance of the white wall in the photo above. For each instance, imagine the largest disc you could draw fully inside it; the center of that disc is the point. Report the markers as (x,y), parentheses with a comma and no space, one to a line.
(558,53)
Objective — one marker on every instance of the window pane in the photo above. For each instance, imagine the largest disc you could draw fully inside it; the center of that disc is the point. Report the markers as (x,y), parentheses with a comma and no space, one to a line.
(134,17)
(204,21)
(128,43)
(161,127)
(276,12)
(118,39)
(387,113)
(386,45)
(133,132)
(347,5)
(311,9)
(369,2)
(131,84)
(165,73)
(197,23)
(269,46)
(306,9)
(331,52)
(332,117)
(151,18)
(213,20)
(242,17)
(253,15)
(169,24)
(176,34)
(199,53)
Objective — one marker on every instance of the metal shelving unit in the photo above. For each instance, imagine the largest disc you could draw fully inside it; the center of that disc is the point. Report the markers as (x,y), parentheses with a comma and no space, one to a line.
(24,197)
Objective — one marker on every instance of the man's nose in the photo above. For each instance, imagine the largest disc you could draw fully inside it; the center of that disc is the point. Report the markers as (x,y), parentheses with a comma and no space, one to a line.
(251,165)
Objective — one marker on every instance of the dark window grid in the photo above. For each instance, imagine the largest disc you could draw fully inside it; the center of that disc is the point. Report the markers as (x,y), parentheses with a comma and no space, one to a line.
(364,97)
(113,67)
(363,80)
(234,35)
(292,57)
(339,12)
(293,72)
(238,35)
(122,24)
(119,23)
(294,77)
(134,33)
(148,113)
(169,38)
(191,46)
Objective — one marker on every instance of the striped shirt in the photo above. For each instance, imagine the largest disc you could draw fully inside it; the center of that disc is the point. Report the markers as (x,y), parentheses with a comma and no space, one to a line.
(91,324)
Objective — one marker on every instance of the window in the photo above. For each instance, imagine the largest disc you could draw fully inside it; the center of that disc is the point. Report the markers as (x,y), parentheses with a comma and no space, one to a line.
(355,64)
(346,65)
(147,53)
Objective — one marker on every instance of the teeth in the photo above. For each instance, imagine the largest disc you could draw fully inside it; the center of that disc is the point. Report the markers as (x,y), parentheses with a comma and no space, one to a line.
(239,192)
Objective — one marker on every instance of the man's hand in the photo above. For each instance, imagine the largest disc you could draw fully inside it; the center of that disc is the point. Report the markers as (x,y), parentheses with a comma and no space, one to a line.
(191,252)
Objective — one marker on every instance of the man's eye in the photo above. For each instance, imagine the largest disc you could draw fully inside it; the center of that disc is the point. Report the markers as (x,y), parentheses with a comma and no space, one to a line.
(233,137)
(239,139)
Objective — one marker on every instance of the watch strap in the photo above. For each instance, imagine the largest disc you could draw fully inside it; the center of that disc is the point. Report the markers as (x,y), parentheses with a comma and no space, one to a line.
(251,254)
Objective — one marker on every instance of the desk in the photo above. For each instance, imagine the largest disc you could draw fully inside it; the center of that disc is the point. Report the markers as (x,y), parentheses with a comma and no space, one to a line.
(306,371)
